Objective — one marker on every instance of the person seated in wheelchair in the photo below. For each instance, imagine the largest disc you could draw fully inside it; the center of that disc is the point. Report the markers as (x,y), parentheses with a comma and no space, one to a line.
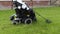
(22,10)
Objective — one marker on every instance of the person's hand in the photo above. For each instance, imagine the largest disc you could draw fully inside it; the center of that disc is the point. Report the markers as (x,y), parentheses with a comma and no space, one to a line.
(19,7)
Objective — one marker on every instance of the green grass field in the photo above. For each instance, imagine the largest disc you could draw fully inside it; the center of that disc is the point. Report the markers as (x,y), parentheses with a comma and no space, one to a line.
(39,27)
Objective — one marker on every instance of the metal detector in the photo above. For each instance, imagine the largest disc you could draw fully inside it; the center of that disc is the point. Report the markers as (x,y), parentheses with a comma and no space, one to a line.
(46,19)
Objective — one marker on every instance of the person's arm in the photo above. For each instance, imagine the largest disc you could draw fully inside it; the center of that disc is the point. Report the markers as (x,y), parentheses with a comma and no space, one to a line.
(24,6)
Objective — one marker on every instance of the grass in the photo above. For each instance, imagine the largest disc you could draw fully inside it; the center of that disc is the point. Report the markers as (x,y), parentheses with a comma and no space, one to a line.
(39,27)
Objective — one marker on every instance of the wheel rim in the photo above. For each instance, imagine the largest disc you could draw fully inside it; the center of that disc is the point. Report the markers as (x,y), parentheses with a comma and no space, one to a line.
(28,21)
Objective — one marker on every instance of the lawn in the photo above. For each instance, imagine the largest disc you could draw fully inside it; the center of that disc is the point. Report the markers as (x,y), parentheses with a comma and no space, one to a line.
(39,27)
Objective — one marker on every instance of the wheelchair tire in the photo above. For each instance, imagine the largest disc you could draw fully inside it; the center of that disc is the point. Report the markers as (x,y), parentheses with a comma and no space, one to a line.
(28,21)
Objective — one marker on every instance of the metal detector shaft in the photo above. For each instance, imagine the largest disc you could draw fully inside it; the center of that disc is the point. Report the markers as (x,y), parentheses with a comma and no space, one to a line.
(40,15)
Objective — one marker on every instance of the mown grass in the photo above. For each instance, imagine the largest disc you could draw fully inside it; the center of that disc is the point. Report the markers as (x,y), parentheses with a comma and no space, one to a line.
(39,27)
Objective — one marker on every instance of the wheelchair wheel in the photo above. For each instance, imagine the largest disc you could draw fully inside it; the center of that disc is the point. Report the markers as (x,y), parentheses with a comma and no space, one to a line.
(14,22)
(27,21)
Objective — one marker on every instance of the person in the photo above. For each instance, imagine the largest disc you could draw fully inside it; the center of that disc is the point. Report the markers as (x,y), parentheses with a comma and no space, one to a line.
(20,8)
